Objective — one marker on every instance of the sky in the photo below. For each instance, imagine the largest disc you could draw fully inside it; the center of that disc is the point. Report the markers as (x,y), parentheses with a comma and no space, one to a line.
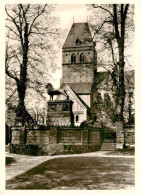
(68,13)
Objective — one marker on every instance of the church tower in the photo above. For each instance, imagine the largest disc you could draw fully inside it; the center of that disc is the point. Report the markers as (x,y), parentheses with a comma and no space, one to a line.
(78,68)
(78,64)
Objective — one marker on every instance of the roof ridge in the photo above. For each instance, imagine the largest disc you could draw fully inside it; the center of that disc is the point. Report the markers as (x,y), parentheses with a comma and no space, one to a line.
(80,99)
(76,95)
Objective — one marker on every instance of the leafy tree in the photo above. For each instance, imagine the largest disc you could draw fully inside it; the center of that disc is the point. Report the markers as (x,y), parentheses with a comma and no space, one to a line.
(31,30)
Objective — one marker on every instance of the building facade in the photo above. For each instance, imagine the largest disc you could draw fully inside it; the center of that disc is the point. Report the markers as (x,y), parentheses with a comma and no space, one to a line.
(79,65)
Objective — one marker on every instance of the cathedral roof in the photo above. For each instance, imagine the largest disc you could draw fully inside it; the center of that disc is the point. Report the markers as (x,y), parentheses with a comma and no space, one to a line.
(104,79)
(79,88)
(79,36)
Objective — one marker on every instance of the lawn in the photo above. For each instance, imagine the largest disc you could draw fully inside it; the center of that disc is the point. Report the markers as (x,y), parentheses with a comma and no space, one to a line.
(9,160)
(126,152)
(78,173)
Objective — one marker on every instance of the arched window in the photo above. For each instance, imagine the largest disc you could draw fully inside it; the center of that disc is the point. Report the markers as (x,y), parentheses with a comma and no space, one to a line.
(81,57)
(73,58)
(77,118)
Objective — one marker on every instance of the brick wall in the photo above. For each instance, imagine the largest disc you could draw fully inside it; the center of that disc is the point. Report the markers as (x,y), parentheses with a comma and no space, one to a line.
(54,135)
(87,53)
(69,136)
(15,135)
(37,136)
(54,140)
(130,135)
(94,137)
(77,73)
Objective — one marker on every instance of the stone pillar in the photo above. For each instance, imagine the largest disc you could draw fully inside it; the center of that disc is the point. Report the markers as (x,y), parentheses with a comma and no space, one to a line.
(119,135)
(10,135)
(53,135)
(84,136)
(23,135)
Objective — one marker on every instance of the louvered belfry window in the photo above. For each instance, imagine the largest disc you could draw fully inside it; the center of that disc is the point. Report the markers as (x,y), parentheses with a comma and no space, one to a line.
(73,58)
(81,57)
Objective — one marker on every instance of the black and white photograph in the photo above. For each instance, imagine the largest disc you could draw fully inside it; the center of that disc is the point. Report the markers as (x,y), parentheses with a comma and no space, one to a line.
(69,96)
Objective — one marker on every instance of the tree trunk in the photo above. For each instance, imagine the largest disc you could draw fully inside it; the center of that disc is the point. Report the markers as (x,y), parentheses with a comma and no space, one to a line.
(120,37)
(22,114)
(121,82)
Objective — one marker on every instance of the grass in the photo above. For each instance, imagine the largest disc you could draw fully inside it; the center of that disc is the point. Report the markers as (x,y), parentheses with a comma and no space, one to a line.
(126,152)
(9,160)
(79,173)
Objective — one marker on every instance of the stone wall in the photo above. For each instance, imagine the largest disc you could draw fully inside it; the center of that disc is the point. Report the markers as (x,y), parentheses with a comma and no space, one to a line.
(69,136)
(52,149)
(54,140)
(126,135)
(94,137)
(15,134)
(37,136)
(88,55)
(130,135)
(60,113)
(77,73)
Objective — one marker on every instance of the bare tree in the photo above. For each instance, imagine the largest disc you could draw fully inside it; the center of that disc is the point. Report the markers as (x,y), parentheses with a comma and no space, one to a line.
(112,29)
(29,46)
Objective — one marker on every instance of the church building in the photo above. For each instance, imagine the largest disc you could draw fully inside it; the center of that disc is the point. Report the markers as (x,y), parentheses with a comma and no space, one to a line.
(79,65)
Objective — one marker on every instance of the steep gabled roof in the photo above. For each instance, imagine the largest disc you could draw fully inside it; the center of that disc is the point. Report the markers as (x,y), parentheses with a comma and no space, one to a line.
(88,108)
(79,36)
(67,87)
(80,88)
(78,99)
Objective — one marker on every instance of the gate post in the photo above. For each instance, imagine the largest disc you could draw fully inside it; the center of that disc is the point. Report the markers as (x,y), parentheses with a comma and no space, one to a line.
(119,135)
(23,135)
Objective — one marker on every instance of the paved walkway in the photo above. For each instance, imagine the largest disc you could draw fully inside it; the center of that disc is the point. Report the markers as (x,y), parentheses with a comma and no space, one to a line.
(24,163)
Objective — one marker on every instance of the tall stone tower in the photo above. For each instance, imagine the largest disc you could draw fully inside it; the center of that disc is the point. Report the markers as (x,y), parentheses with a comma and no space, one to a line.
(78,67)
(78,61)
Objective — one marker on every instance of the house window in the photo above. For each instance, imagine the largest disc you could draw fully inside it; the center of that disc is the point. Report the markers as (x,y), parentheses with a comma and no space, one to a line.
(73,58)
(77,118)
(81,57)
(52,108)
(65,107)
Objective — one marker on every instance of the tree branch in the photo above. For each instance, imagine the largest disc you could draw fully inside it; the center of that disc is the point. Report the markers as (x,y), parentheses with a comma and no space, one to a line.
(103,9)
(12,30)
(106,21)
(115,21)
(125,11)
(14,22)
(38,14)
(11,75)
